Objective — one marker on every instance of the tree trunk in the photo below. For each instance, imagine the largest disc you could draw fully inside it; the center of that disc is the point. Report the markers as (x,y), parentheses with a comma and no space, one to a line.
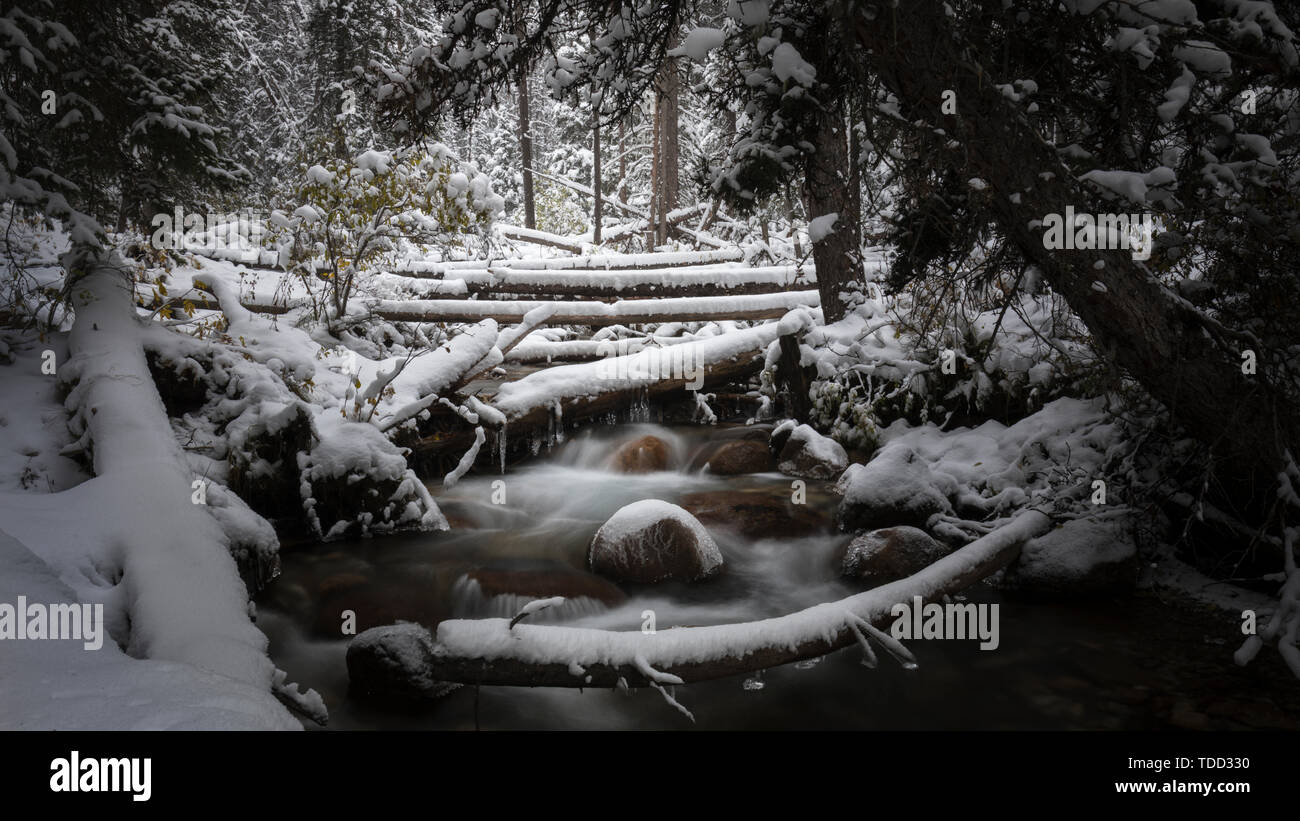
(622,160)
(669,87)
(826,191)
(855,168)
(1181,359)
(595,180)
(656,167)
(526,150)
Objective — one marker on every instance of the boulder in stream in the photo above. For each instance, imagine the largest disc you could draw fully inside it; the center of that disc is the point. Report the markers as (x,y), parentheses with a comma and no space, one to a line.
(895,488)
(890,554)
(755,514)
(653,541)
(808,454)
(1083,557)
(392,662)
(739,456)
(644,455)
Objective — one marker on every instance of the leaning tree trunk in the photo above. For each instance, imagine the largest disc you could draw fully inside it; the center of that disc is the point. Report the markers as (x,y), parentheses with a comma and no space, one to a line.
(826,191)
(1183,360)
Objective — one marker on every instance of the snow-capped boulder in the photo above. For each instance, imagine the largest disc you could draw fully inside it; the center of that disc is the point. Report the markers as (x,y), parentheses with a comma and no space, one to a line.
(740,456)
(1082,557)
(890,554)
(895,488)
(808,454)
(653,541)
(393,662)
(644,455)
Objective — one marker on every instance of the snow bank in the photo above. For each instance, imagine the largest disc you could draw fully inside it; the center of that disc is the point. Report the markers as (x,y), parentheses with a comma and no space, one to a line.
(58,685)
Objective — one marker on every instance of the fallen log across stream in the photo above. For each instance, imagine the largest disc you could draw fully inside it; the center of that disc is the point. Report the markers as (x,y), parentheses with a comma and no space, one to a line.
(493,652)
(609,385)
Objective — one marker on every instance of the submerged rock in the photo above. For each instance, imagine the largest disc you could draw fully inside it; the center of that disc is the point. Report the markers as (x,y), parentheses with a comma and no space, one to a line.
(545,582)
(754,515)
(374,601)
(890,554)
(644,455)
(895,488)
(1083,557)
(653,541)
(808,454)
(739,456)
(393,662)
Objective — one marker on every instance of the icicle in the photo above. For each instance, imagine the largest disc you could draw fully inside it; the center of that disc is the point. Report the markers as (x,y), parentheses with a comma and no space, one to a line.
(501,447)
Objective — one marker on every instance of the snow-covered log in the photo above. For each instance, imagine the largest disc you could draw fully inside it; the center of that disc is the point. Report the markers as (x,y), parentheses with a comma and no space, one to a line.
(682,281)
(491,652)
(595,262)
(186,601)
(597,387)
(540,238)
(599,314)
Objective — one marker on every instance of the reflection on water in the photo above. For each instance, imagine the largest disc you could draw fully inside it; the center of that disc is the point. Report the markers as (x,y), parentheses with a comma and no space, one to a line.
(1139,663)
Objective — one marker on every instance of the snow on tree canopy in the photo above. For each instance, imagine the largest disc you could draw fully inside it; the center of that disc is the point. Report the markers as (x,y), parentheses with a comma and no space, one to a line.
(699,42)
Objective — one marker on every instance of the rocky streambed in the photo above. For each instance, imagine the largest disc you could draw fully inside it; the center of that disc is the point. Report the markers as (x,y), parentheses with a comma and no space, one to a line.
(1113,658)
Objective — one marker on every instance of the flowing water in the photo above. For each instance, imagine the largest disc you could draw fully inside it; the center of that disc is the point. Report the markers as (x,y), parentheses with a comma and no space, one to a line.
(1140,662)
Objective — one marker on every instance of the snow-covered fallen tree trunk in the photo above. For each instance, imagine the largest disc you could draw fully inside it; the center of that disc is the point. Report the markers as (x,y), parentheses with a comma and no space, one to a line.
(185,599)
(492,652)
(693,281)
(590,387)
(540,238)
(595,262)
(599,314)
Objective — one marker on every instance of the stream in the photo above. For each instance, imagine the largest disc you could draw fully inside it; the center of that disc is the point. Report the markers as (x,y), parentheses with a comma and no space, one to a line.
(1147,661)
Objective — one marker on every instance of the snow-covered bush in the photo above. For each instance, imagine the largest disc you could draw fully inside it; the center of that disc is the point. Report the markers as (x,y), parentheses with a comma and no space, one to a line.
(348,216)
(885,362)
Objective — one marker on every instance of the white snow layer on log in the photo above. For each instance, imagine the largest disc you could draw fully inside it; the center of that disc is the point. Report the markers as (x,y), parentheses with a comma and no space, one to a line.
(545,350)
(435,372)
(513,335)
(183,593)
(650,310)
(595,262)
(491,639)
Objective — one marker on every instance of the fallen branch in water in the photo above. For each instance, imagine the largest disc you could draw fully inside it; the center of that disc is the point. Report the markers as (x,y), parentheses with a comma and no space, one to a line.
(491,652)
